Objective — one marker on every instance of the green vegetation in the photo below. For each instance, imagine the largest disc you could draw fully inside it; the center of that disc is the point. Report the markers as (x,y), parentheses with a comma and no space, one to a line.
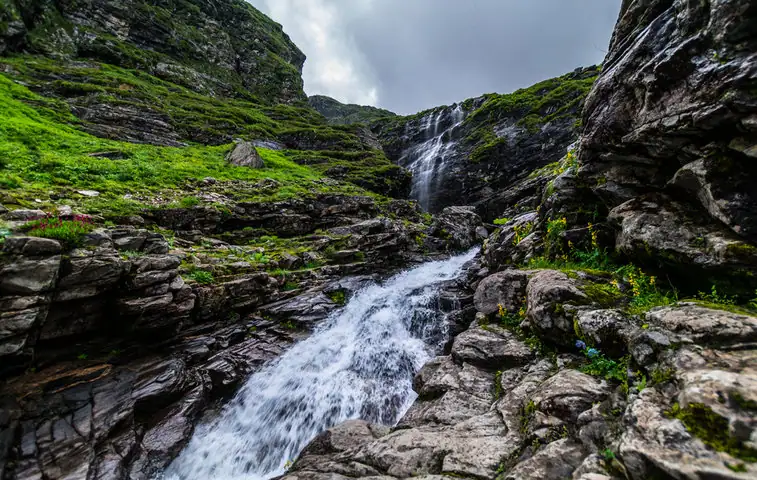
(337,297)
(68,232)
(43,147)
(338,113)
(712,429)
(501,221)
(522,231)
(202,276)
(601,366)
(535,106)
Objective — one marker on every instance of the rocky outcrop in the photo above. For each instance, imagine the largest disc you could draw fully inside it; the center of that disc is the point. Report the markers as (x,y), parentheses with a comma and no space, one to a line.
(88,293)
(496,407)
(232,45)
(670,133)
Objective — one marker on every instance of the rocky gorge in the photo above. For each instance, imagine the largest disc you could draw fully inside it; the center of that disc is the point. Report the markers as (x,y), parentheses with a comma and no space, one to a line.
(203,277)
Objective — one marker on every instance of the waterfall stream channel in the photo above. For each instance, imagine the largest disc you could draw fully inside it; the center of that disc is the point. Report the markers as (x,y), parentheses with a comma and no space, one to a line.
(358,364)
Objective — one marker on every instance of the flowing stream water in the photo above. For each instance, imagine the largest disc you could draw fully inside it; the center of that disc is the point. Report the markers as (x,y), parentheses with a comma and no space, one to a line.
(359,364)
(427,160)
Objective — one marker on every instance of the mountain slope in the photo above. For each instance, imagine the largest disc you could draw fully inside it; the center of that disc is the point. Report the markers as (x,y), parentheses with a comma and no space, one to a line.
(338,113)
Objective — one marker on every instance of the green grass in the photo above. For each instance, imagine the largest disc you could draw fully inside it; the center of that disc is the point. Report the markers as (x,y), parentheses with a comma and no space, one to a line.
(42,150)
(202,276)
(68,232)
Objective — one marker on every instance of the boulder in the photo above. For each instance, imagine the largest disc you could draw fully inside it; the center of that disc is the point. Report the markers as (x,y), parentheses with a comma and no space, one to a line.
(506,288)
(244,154)
(459,226)
(693,323)
(490,348)
(548,292)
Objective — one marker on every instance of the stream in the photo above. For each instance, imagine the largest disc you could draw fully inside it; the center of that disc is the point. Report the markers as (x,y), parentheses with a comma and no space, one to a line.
(359,364)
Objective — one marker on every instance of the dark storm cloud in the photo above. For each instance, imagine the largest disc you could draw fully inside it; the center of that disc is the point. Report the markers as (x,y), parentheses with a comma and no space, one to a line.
(409,55)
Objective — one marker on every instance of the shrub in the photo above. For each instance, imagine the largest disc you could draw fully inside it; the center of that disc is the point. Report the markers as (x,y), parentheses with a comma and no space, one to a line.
(68,232)
(202,276)
(189,202)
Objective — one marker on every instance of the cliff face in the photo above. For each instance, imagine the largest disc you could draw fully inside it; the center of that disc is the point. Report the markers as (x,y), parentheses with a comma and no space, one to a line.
(338,113)
(216,48)
(470,153)
(671,137)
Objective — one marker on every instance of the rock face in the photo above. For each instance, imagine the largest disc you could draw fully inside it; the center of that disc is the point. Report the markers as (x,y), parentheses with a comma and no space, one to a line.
(673,111)
(479,148)
(232,45)
(92,291)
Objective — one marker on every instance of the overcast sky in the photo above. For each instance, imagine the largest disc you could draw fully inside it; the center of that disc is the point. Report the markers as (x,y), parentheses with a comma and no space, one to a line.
(410,55)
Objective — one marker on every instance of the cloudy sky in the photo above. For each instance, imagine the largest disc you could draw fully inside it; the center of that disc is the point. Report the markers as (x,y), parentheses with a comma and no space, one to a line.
(409,55)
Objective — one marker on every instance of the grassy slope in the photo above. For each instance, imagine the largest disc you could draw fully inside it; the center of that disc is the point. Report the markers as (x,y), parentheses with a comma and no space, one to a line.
(40,151)
(202,119)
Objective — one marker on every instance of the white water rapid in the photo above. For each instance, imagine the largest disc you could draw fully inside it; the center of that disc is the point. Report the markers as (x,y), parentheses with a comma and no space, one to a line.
(428,159)
(359,364)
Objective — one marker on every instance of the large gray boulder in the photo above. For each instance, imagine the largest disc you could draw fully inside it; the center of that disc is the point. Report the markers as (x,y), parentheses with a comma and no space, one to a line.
(506,288)
(244,154)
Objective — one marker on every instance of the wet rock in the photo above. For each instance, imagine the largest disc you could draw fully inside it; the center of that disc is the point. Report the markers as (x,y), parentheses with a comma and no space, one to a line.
(506,288)
(458,225)
(244,154)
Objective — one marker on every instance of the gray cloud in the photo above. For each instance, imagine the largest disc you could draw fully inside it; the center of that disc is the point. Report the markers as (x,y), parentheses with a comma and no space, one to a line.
(409,55)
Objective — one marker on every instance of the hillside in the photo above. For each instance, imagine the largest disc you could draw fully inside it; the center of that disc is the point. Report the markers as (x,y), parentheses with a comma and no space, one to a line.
(338,113)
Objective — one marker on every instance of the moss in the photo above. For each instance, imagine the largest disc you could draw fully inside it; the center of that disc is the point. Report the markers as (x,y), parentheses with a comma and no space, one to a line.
(337,297)
(527,415)
(662,375)
(606,295)
(743,403)
(712,429)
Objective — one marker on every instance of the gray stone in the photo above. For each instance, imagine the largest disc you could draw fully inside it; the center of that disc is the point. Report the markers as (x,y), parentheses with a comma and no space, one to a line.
(22,214)
(701,325)
(506,288)
(491,348)
(244,154)
(548,292)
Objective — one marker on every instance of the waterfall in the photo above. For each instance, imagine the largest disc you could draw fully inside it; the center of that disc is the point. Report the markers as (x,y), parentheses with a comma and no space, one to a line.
(427,160)
(359,364)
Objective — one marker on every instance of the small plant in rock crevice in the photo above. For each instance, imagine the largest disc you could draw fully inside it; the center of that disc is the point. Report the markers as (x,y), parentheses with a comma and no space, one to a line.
(522,231)
(601,366)
(202,277)
(69,232)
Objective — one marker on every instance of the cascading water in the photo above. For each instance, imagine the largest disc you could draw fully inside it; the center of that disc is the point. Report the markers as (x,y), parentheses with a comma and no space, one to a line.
(428,159)
(359,364)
